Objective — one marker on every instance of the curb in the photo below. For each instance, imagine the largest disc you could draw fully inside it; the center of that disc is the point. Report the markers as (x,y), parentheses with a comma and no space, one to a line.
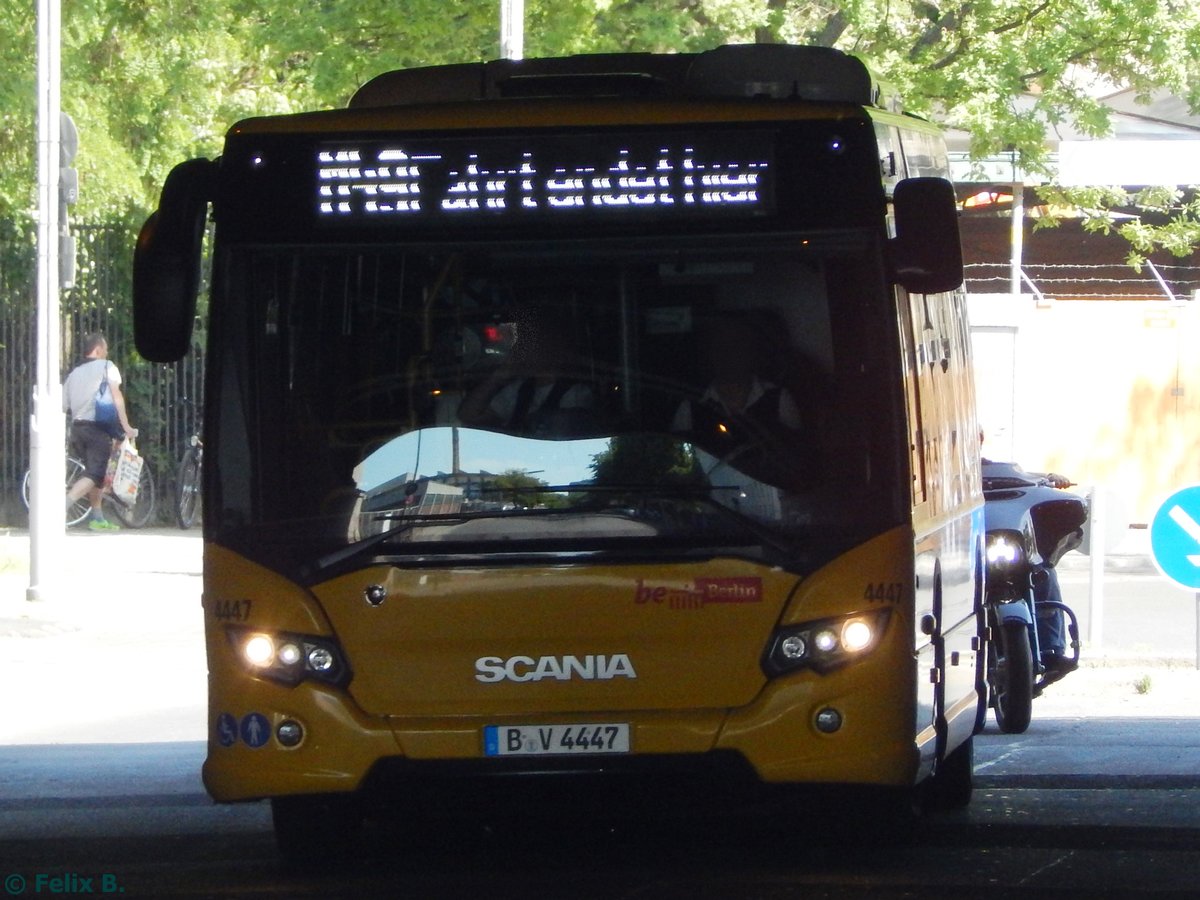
(33,628)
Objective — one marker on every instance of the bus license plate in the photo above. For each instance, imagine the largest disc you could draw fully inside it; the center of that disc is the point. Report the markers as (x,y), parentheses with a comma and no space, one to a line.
(555,740)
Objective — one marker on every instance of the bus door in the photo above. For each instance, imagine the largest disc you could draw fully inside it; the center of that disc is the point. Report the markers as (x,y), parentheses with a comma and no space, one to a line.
(918,345)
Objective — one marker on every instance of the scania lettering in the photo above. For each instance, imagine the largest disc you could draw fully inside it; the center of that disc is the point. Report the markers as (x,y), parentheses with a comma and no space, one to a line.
(524,668)
(597,418)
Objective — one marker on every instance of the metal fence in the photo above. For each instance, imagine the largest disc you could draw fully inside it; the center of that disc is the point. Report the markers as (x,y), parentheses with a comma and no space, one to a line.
(162,399)
(1089,281)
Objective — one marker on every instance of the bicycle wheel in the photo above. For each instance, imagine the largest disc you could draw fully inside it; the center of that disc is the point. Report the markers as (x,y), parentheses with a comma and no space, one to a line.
(187,503)
(141,512)
(80,508)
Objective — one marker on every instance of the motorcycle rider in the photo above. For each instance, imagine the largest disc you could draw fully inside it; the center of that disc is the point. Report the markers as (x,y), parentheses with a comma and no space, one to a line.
(1051,622)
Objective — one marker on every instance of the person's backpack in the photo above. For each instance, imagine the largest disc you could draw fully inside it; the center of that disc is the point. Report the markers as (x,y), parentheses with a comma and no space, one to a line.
(106,409)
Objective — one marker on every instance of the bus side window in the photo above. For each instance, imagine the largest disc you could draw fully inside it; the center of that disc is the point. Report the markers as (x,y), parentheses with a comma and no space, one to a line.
(925,155)
(891,163)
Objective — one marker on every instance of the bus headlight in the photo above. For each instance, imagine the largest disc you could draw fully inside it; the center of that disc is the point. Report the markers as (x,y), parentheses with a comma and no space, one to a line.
(793,647)
(259,650)
(321,659)
(826,644)
(289,653)
(290,658)
(857,635)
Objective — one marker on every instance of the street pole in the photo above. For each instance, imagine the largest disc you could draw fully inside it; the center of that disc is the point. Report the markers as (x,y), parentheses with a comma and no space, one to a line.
(512,29)
(1017,231)
(47,513)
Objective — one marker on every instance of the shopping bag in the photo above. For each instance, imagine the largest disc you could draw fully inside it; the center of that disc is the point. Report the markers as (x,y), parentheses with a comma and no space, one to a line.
(111,471)
(128,474)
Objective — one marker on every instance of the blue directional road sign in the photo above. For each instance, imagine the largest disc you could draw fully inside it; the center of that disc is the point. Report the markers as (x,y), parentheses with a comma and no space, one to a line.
(1175,537)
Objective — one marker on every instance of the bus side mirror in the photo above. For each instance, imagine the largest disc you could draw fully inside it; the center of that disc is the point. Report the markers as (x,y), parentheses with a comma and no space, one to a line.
(926,253)
(166,263)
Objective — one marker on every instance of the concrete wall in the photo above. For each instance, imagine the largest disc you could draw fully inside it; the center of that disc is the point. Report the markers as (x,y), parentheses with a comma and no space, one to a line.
(1106,392)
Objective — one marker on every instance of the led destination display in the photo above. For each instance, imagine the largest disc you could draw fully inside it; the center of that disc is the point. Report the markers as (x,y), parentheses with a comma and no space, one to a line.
(581,176)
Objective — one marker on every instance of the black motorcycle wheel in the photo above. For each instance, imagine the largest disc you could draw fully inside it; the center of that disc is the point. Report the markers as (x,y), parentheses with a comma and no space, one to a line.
(1010,675)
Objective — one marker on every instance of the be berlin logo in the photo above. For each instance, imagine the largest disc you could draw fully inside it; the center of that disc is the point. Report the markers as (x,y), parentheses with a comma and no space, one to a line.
(17,885)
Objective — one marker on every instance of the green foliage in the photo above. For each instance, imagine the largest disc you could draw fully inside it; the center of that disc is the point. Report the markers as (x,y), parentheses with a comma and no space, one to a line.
(645,459)
(1157,218)
(153,83)
(150,84)
(522,490)
(18,102)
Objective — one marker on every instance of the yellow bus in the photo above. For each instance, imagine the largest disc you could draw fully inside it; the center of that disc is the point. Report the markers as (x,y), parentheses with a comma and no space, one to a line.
(608,416)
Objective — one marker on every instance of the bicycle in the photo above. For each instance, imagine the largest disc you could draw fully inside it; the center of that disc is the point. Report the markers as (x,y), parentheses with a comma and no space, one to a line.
(135,516)
(187,502)
(188,478)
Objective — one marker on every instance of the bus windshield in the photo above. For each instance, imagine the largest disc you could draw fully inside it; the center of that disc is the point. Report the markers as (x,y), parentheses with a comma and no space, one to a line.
(569,397)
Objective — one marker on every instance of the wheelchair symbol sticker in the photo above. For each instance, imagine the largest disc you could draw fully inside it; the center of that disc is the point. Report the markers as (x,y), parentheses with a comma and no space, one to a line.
(227,730)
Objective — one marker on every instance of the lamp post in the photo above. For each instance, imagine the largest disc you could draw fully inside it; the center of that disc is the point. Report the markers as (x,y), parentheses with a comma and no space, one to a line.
(47,515)
(1018,225)
(512,29)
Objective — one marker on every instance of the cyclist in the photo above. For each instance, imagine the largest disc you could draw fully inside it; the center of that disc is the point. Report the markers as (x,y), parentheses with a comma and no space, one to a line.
(89,440)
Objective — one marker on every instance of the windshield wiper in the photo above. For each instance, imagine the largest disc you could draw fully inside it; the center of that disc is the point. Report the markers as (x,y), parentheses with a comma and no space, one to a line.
(404,521)
(704,493)
(361,546)
(767,536)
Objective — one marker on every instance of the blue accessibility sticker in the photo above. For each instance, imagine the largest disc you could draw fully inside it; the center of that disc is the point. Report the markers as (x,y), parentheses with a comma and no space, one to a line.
(255,729)
(227,730)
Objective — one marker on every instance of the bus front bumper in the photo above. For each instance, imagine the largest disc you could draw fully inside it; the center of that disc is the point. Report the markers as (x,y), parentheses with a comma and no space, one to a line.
(803,729)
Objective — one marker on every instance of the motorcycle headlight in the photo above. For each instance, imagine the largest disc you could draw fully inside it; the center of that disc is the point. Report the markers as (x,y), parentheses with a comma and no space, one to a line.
(825,644)
(1003,552)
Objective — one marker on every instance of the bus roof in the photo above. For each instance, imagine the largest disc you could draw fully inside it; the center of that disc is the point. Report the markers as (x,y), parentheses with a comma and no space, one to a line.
(780,71)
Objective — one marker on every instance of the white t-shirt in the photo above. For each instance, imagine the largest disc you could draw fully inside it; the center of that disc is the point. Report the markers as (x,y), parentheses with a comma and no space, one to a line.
(79,390)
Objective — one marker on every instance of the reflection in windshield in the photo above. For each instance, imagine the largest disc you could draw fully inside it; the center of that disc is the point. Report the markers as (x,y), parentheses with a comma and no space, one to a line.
(431,483)
(714,395)
(434,452)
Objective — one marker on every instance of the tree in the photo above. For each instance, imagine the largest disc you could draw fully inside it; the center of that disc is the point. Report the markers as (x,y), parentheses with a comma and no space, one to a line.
(1150,219)
(641,460)
(967,61)
(153,82)
(521,489)
(1006,72)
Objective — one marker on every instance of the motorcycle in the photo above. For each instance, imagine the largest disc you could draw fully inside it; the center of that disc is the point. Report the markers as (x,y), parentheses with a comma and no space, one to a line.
(1031,522)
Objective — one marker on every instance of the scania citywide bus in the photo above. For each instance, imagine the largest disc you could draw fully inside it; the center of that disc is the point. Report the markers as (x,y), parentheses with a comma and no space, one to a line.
(607,415)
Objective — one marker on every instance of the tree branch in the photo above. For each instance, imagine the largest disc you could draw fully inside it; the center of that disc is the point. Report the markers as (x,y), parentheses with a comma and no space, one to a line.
(1024,20)
(769,33)
(937,31)
(835,26)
